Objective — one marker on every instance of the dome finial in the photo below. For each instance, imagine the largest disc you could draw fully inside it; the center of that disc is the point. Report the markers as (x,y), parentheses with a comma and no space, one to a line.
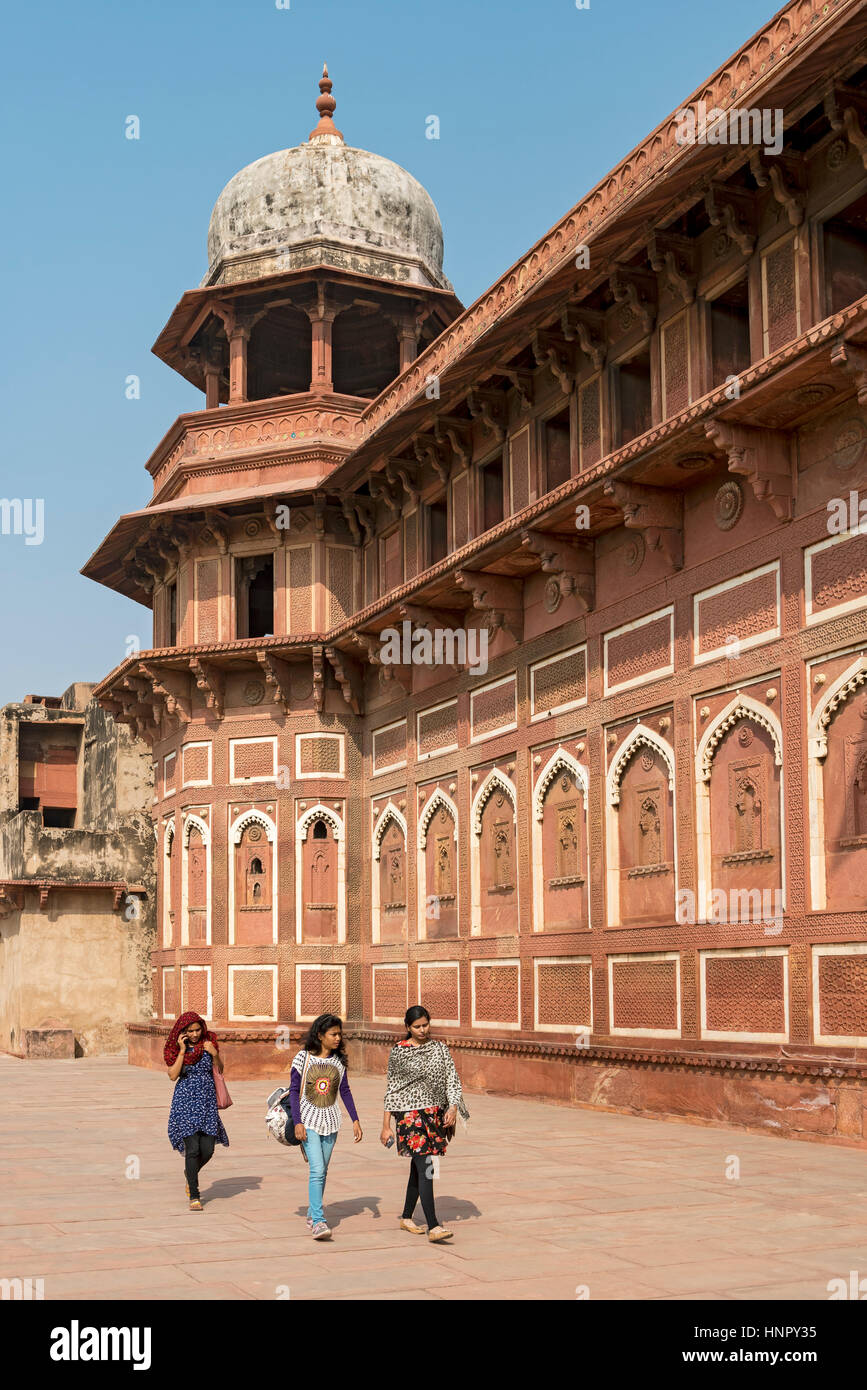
(326,131)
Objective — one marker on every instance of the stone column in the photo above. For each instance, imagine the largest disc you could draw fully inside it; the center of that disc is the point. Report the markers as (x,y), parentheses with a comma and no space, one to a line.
(322,321)
(239,336)
(212,384)
(407,333)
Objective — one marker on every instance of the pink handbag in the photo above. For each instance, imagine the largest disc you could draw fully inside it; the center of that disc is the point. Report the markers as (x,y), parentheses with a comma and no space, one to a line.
(224,1100)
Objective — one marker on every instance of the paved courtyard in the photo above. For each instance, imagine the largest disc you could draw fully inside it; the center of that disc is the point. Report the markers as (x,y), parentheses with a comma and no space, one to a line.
(546,1203)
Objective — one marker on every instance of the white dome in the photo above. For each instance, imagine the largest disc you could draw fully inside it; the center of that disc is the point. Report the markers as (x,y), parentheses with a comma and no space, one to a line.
(324,203)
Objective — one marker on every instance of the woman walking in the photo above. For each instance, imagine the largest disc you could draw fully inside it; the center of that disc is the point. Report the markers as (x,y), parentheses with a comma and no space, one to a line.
(190,1054)
(423,1093)
(319,1073)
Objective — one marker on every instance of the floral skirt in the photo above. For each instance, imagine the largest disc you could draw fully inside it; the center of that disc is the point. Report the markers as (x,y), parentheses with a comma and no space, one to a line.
(421,1132)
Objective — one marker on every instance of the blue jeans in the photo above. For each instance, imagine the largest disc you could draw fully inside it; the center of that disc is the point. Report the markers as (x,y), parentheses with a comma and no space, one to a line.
(317,1148)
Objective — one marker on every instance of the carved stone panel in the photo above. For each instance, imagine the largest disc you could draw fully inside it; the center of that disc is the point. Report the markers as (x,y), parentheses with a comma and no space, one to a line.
(320,885)
(441,883)
(646,835)
(498,867)
(253,887)
(564,864)
(392,885)
(745,814)
(197,888)
(845,806)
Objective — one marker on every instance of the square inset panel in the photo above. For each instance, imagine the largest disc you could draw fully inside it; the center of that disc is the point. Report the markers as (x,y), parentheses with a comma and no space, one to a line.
(559,683)
(840,994)
(389,747)
(496,993)
(320,989)
(745,994)
(252,759)
(390,991)
(494,709)
(197,759)
(253,992)
(319,755)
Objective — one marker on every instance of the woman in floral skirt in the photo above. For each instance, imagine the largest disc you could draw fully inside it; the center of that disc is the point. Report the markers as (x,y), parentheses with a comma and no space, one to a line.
(423,1093)
(191,1053)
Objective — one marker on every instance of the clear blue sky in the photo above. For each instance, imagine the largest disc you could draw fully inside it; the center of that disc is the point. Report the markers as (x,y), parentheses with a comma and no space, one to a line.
(536,100)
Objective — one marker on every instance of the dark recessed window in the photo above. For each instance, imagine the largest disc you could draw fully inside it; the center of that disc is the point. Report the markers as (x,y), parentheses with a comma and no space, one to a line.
(846,256)
(320,830)
(58,817)
(255,595)
(635,396)
(557,450)
(493,510)
(439,531)
(730,333)
(172,613)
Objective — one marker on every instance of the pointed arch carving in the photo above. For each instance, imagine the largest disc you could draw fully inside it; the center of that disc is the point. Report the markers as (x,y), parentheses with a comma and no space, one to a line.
(194,822)
(168,835)
(560,758)
(640,736)
(495,778)
(388,813)
(836,695)
(438,798)
(252,817)
(741,707)
(319,812)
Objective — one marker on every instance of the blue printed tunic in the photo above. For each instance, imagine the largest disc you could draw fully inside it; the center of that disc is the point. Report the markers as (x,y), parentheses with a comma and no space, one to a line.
(194,1105)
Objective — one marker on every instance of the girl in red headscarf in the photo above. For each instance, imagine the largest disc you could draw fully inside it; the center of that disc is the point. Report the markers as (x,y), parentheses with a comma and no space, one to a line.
(190,1054)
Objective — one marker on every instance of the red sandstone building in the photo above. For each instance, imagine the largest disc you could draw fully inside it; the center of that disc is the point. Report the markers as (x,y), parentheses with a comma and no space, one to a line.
(627,864)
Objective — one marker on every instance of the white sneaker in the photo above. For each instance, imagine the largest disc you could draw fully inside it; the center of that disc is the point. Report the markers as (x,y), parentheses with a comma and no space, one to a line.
(320,1231)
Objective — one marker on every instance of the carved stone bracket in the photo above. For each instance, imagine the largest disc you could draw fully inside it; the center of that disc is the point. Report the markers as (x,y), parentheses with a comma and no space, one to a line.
(277,674)
(349,677)
(654,511)
(852,359)
(763,457)
(371,646)
(490,408)
(211,680)
(845,107)
(573,565)
(173,688)
(320,511)
(674,257)
(734,213)
(637,288)
(782,185)
(498,597)
(381,492)
(400,473)
(433,453)
(318,679)
(587,328)
(430,618)
(553,352)
(350,513)
(456,433)
(215,522)
(522,380)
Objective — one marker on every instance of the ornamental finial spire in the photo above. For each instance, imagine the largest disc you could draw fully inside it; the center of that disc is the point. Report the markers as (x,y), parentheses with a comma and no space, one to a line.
(325,105)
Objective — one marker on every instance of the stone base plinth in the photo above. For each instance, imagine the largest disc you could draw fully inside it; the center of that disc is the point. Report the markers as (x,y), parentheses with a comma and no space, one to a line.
(810,1099)
(48,1040)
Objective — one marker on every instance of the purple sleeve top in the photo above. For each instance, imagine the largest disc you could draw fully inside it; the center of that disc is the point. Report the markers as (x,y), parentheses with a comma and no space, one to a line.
(346,1097)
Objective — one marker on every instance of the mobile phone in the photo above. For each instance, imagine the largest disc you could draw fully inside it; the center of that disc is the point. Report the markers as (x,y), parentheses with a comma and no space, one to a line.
(390,1142)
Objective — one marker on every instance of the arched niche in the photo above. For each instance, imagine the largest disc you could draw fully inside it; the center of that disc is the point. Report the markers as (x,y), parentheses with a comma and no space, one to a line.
(837,775)
(559,837)
(252,880)
(494,857)
(169,886)
(196,882)
(389,886)
(739,813)
(320,876)
(641,840)
(438,886)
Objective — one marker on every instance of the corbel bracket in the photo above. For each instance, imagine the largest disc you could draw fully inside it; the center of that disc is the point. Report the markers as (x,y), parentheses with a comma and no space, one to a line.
(173,688)
(499,598)
(522,380)
(844,107)
(674,257)
(654,511)
(457,434)
(277,674)
(762,456)
(852,359)
(774,175)
(573,565)
(349,677)
(637,288)
(318,679)
(212,681)
(585,327)
(553,352)
(429,452)
(734,213)
(400,473)
(489,407)
(215,523)
(381,492)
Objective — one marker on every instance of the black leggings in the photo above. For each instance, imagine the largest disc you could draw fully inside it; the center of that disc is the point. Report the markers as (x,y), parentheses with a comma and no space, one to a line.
(420,1185)
(198,1150)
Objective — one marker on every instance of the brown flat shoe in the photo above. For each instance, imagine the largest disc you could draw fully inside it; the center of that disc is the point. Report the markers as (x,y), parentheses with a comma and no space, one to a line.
(438,1233)
(407,1225)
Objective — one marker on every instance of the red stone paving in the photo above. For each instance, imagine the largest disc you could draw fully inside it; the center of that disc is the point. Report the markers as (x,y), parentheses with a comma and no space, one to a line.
(543,1200)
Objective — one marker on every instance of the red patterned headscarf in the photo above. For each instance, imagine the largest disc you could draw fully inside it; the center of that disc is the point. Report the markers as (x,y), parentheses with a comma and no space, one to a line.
(193,1054)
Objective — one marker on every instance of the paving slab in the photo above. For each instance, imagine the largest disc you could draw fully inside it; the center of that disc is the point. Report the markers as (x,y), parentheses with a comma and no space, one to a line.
(544,1200)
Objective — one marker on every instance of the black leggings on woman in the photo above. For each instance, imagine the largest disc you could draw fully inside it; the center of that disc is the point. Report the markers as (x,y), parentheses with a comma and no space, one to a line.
(421,1185)
(198,1150)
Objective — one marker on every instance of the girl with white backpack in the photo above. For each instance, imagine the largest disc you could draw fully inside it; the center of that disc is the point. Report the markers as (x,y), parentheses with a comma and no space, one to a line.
(319,1075)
